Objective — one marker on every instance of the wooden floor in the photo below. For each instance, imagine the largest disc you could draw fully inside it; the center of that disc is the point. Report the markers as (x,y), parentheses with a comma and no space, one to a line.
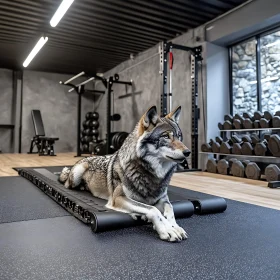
(240,189)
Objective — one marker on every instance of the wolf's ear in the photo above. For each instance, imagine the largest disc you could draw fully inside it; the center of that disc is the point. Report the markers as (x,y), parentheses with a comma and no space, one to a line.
(150,117)
(175,115)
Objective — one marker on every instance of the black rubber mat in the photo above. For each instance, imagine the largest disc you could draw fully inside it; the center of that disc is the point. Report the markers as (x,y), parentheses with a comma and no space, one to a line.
(21,201)
(242,243)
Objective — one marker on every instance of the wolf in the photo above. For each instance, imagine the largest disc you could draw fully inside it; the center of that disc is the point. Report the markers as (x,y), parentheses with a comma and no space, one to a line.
(135,178)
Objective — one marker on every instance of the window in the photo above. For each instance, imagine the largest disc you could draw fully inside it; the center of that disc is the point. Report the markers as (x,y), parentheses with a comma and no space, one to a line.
(270,72)
(244,76)
(255,75)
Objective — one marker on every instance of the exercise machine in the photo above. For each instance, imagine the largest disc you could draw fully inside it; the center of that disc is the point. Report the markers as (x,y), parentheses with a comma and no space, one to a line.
(91,210)
(165,49)
(44,144)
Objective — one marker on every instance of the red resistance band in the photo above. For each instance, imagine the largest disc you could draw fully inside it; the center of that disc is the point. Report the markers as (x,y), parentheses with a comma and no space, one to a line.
(171,60)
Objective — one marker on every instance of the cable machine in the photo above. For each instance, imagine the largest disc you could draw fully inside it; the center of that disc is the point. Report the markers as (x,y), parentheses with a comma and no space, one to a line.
(165,49)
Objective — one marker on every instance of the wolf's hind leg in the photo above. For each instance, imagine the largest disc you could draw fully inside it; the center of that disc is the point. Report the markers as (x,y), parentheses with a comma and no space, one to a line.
(161,225)
(166,208)
(76,175)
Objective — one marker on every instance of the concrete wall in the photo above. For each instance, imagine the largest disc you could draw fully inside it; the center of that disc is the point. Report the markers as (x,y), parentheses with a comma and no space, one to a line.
(144,71)
(58,108)
(217,88)
(6,112)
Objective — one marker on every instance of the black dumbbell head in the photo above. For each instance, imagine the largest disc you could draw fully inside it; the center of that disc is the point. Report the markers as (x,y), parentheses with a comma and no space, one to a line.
(272,173)
(247,149)
(258,115)
(237,124)
(253,171)
(225,148)
(276,121)
(248,123)
(227,125)
(236,149)
(223,167)
(274,145)
(268,115)
(238,169)
(211,165)
(228,118)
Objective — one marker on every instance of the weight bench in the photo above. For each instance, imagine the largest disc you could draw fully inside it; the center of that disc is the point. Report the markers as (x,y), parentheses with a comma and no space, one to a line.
(45,145)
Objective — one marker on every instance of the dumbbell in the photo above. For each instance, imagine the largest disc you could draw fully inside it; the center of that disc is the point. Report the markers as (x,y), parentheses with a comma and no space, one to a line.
(249,144)
(85,148)
(207,147)
(224,166)
(226,146)
(211,165)
(276,120)
(238,168)
(252,171)
(93,124)
(272,173)
(89,115)
(261,148)
(274,145)
(85,124)
(95,116)
(225,126)
(248,122)
(238,121)
(87,139)
(266,120)
(237,146)
(228,119)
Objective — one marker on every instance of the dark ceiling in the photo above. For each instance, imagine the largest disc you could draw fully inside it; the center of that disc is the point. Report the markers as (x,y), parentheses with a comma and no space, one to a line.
(96,35)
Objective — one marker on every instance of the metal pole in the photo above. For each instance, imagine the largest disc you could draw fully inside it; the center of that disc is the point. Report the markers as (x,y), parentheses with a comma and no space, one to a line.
(170,77)
(108,91)
(164,81)
(79,111)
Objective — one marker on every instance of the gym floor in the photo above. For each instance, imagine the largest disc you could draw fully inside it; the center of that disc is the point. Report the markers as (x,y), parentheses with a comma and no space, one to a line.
(239,189)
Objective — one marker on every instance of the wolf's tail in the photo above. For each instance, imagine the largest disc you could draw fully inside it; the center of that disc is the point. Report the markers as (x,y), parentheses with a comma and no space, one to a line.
(64,174)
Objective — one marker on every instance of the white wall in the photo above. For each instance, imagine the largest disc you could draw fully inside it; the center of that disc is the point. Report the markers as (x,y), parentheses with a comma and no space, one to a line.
(217,88)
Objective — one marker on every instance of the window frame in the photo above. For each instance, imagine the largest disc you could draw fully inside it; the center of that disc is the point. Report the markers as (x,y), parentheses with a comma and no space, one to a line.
(257,37)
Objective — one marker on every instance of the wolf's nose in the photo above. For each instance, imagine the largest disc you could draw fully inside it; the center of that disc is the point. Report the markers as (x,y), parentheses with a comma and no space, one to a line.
(186,152)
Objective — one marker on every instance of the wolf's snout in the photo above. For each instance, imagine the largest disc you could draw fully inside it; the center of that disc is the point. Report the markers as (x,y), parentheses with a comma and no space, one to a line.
(186,152)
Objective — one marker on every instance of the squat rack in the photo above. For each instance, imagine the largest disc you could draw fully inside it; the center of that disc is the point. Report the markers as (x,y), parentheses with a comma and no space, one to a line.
(80,89)
(196,56)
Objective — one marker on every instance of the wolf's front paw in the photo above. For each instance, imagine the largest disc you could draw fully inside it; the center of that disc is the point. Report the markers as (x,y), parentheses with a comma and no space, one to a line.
(170,234)
(181,232)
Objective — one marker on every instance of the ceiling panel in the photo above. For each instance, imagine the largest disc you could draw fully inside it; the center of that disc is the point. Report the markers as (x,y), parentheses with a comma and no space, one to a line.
(96,35)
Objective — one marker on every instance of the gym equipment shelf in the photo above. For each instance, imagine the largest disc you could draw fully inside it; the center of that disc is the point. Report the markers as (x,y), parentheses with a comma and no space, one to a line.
(235,155)
(250,129)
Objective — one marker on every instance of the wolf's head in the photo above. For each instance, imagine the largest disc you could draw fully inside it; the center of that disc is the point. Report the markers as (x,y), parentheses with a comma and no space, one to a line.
(161,138)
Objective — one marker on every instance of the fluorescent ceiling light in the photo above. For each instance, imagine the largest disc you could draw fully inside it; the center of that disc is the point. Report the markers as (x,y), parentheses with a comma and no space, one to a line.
(60,12)
(42,41)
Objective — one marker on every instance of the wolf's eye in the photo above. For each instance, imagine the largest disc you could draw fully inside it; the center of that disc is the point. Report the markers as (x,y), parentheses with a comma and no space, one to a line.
(165,136)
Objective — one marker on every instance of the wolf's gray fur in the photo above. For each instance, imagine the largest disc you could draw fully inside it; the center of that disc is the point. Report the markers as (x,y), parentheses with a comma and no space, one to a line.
(135,178)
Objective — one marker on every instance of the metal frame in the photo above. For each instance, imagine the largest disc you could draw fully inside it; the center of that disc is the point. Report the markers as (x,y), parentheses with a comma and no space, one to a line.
(196,57)
(110,82)
(80,90)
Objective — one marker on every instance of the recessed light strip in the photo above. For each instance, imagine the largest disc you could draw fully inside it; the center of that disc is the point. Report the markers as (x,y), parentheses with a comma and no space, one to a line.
(42,41)
(60,12)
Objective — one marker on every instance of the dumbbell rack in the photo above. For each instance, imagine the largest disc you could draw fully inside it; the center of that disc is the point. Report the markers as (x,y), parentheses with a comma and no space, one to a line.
(223,135)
